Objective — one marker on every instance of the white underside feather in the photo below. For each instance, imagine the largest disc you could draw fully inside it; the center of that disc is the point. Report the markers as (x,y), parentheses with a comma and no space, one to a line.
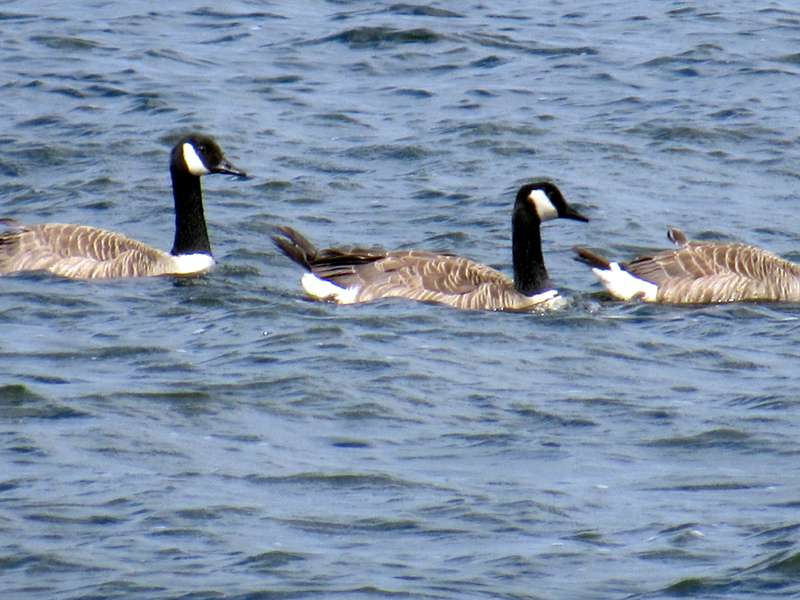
(621,284)
(186,264)
(320,288)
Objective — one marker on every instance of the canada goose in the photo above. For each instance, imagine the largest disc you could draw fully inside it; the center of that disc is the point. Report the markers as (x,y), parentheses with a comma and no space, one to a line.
(81,252)
(358,275)
(699,273)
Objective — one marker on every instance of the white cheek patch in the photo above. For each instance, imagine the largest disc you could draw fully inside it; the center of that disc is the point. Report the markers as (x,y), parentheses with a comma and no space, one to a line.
(543,205)
(185,264)
(193,162)
(319,288)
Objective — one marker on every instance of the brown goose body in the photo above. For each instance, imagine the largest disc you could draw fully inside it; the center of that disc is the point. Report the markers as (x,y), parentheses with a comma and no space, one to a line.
(702,273)
(82,252)
(422,276)
(358,275)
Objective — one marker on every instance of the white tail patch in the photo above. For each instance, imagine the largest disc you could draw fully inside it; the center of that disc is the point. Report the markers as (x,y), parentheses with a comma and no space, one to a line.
(320,288)
(185,264)
(621,284)
(543,205)
(193,161)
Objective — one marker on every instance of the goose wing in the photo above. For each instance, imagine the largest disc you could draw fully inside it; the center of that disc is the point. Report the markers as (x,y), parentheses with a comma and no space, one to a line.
(719,272)
(426,277)
(423,276)
(79,252)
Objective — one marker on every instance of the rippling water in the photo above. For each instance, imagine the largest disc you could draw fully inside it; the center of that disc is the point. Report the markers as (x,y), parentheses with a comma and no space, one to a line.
(225,437)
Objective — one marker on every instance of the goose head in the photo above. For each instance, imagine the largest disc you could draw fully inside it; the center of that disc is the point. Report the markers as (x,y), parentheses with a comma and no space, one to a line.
(536,202)
(544,201)
(199,154)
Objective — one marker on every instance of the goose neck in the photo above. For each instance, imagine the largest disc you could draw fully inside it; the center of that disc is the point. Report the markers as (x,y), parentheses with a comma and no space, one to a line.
(530,274)
(191,233)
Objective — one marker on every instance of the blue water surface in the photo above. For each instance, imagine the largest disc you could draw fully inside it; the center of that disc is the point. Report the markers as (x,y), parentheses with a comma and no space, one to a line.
(223,436)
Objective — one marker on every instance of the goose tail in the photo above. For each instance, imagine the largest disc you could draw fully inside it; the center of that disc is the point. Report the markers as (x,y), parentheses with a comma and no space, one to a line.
(677,237)
(296,246)
(619,282)
(590,258)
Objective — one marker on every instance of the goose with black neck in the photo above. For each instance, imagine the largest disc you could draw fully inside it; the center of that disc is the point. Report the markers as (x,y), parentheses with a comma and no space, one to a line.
(84,252)
(359,275)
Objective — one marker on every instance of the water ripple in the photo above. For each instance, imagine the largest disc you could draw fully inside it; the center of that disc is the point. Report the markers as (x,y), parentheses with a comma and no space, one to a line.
(226,436)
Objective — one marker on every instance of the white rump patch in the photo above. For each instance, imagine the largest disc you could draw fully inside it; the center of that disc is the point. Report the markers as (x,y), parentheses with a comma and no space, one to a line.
(185,264)
(625,286)
(193,161)
(320,288)
(543,205)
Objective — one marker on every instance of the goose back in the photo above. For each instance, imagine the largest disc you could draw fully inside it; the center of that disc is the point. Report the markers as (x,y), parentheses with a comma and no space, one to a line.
(423,276)
(82,252)
(428,277)
(360,275)
(700,273)
(713,272)
(79,252)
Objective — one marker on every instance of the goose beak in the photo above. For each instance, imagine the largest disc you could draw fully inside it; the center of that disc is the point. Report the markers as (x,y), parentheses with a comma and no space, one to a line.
(227,168)
(571,213)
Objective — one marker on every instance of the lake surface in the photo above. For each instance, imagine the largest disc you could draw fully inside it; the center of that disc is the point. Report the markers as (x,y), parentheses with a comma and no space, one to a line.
(223,436)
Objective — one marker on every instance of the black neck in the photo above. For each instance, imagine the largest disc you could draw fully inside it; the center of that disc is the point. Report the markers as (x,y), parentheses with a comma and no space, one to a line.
(191,234)
(530,275)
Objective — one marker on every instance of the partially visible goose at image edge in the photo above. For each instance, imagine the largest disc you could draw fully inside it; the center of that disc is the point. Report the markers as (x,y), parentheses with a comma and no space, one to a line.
(359,275)
(83,252)
(699,273)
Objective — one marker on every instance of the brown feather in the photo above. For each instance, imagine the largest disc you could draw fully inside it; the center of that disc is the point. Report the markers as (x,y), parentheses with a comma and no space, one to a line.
(422,276)
(359,275)
(79,252)
(590,258)
(704,272)
(714,272)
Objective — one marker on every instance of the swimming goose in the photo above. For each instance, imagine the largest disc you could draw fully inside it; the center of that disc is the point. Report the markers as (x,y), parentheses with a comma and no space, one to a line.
(358,275)
(699,273)
(81,252)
